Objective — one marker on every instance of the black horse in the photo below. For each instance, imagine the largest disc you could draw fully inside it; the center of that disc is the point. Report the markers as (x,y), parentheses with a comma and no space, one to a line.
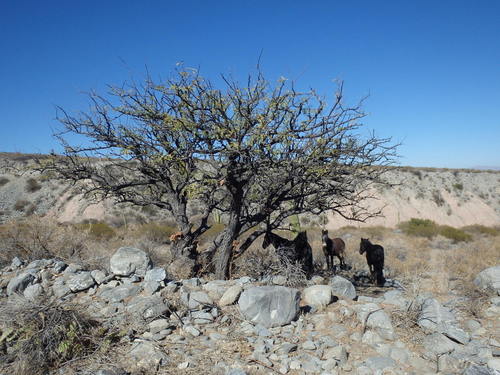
(375,260)
(297,249)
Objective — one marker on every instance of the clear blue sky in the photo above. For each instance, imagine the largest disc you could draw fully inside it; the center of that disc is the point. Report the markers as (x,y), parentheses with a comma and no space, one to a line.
(431,68)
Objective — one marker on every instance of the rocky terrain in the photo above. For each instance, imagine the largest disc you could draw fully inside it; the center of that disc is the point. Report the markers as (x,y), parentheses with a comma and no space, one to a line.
(146,323)
(446,196)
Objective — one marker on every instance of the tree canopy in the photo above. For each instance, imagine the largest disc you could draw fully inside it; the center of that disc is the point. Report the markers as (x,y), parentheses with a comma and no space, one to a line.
(258,152)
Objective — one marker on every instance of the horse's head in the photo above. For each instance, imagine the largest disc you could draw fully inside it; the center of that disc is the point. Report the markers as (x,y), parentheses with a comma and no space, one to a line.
(363,245)
(324,232)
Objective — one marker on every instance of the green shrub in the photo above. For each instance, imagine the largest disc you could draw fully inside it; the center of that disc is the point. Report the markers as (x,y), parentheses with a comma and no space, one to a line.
(482,229)
(97,230)
(454,234)
(3,181)
(419,227)
(458,186)
(438,198)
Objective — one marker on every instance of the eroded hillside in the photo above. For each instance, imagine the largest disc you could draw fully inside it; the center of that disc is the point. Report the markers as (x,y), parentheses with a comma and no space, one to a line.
(447,196)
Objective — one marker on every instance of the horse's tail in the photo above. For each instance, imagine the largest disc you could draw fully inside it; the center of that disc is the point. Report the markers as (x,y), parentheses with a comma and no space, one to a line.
(379,272)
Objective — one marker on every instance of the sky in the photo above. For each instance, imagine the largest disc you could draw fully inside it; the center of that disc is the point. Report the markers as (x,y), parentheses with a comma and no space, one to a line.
(431,69)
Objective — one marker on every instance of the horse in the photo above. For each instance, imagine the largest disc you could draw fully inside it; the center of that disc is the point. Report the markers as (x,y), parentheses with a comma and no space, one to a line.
(333,247)
(297,249)
(375,260)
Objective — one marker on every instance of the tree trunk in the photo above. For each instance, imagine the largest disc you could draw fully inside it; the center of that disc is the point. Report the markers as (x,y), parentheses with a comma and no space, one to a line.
(225,249)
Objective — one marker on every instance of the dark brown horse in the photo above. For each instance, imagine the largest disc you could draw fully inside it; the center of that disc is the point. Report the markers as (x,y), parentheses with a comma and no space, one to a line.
(333,247)
(375,260)
(297,249)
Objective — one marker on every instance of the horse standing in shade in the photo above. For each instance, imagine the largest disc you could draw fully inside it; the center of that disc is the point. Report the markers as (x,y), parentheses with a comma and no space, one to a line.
(375,260)
(333,247)
(297,249)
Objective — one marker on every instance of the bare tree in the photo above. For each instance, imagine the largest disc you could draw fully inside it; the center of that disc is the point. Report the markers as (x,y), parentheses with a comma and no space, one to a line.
(259,153)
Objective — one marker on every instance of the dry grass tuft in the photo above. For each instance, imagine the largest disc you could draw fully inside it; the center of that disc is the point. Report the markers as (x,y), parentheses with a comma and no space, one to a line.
(42,337)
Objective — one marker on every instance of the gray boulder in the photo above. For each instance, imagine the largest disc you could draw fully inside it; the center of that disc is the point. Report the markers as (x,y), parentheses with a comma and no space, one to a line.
(270,306)
(231,295)
(437,344)
(99,276)
(147,355)
(479,370)
(19,283)
(33,292)
(489,279)
(119,293)
(129,260)
(342,287)
(147,307)
(434,317)
(380,321)
(195,299)
(80,281)
(318,295)
(155,274)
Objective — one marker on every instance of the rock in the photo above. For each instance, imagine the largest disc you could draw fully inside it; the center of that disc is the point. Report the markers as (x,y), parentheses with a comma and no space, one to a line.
(279,280)
(216,288)
(479,370)
(434,317)
(39,264)
(308,345)
(155,274)
(59,266)
(379,363)
(16,263)
(396,298)
(158,325)
(437,344)
(151,287)
(231,295)
(380,321)
(338,353)
(33,292)
(494,364)
(147,355)
(342,287)
(191,330)
(19,283)
(456,334)
(286,348)
(270,306)
(81,281)
(60,289)
(318,295)
(99,276)
(489,279)
(119,293)
(117,371)
(147,307)
(202,317)
(128,260)
(195,299)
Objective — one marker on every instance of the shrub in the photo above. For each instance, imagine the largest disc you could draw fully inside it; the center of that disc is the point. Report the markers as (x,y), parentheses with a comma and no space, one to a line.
(43,336)
(438,198)
(3,181)
(155,232)
(454,234)
(458,186)
(419,227)
(482,229)
(21,204)
(32,185)
(97,230)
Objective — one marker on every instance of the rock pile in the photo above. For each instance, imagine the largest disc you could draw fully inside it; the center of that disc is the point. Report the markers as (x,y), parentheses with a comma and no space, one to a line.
(244,327)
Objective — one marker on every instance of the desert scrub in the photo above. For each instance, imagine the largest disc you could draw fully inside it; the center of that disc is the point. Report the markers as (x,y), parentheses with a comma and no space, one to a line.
(458,186)
(156,232)
(41,337)
(21,205)
(438,198)
(97,230)
(482,230)
(3,181)
(454,234)
(32,185)
(419,227)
